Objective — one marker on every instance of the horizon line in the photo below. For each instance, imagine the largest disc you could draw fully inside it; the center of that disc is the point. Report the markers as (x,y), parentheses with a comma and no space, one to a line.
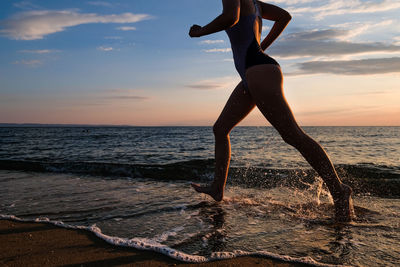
(127,125)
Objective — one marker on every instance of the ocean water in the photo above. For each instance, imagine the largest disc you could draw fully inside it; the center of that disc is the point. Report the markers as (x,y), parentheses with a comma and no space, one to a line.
(134,183)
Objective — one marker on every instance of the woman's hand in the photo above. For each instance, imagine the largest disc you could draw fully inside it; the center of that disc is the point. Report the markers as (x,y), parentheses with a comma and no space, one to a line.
(229,17)
(195,31)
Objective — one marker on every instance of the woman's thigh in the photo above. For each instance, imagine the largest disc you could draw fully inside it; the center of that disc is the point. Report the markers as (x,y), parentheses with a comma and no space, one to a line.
(238,106)
(265,83)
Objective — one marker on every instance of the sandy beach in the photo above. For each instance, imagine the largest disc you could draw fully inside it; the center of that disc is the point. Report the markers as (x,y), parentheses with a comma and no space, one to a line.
(38,244)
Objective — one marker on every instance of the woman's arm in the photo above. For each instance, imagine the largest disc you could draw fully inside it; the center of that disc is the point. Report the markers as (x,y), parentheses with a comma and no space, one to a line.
(281,18)
(229,17)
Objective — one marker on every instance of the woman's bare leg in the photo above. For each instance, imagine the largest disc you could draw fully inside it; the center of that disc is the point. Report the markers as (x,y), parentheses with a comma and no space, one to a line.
(239,105)
(265,85)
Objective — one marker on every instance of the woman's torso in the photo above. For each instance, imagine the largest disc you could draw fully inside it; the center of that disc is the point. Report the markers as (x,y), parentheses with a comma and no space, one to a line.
(245,39)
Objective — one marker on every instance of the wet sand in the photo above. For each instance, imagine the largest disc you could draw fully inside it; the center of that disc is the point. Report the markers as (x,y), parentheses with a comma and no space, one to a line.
(38,244)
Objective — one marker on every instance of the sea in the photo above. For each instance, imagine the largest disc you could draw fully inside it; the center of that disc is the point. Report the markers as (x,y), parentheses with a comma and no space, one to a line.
(131,186)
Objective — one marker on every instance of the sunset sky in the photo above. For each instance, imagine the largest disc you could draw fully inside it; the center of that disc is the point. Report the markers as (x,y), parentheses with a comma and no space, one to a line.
(132,62)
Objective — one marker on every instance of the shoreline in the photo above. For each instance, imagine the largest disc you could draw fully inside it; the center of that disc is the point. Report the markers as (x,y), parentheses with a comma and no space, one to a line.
(43,244)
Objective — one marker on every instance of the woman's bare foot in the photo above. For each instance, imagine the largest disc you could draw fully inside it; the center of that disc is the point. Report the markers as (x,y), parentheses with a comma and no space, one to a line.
(209,190)
(344,211)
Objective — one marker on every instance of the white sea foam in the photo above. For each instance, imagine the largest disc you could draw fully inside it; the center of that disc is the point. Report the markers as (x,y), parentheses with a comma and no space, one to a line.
(164,236)
(153,245)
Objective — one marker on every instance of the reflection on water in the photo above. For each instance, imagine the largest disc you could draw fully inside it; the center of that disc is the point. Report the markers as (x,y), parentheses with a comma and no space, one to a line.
(342,246)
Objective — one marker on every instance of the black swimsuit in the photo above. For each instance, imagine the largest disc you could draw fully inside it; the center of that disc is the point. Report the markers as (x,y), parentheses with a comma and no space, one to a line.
(245,47)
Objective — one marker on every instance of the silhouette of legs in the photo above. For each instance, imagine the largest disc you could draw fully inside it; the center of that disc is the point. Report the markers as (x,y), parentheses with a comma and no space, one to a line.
(238,106)
(265,85)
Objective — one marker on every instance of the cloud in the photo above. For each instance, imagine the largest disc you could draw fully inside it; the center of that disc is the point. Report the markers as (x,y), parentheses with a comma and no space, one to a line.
(205,86)
(341,7)
(217,83)
(41,51)
(100,3)
(337,111)
(292,2)
(25,5)
(359,28)
(129,97)
(324,111)
(376,93)
(126,28)
(32,25)
(218,50)
(212,42)
(317,35)
(31,63)
(265,28)
(350,67)
(105,48)
(113,37)
(215,50)
(123,94)
(325,43)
